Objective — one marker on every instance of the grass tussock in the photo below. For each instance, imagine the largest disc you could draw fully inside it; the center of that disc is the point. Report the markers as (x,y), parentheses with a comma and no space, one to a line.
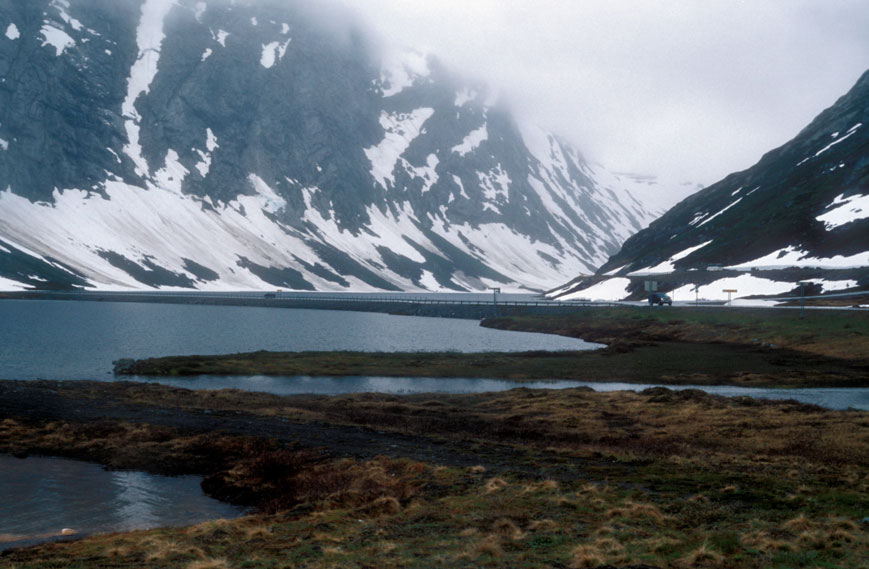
(465,525)
(577,479)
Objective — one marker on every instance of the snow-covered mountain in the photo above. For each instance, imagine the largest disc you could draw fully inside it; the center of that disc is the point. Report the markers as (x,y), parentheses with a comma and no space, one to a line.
(800,213)
(254,145)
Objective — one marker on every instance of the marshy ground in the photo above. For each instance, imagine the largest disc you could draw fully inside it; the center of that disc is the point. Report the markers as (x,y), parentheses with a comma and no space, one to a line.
(523,478)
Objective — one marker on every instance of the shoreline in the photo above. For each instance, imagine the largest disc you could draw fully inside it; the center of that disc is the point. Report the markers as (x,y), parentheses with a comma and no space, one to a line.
(660,363)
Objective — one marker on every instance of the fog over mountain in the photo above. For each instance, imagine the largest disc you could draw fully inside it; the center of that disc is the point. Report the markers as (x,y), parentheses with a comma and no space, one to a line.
(693,90)
(260,145)
(800,214)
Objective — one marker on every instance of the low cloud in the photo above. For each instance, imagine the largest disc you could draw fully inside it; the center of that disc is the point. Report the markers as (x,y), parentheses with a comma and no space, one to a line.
(692,90)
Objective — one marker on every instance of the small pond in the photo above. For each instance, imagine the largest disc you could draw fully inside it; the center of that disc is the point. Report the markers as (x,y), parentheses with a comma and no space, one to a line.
(43,496)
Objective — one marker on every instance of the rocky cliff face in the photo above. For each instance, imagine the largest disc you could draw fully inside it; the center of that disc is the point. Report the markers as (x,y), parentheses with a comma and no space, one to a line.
(803,205)
(221,144)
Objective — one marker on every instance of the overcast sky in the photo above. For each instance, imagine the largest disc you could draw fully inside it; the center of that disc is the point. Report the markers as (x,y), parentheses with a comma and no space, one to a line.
(693,89)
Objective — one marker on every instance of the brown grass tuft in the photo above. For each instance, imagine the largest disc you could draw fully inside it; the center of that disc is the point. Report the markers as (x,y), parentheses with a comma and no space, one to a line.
(703,556)
(542,525)
(383,506)
(258,531)
(633,510)
(217,563)
(586,556)
(798,524)
(489,545)
(477,469)
(495,485)
(505,528)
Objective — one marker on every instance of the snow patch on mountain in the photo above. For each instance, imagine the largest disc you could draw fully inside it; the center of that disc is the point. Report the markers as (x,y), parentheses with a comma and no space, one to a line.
(667,266)
(171,176)
(62,7)
(400,131)
(471,142)
(844,210)
(7,284)
(220,37)
(427,173)
(56,38)
(149,38)
(794,257)
(272,52)
(851,131)
(745,285)
(204,164)
(12,32)
(610,290)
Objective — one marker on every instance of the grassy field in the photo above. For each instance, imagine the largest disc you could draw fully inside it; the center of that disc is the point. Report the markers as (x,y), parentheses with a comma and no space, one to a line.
(553,479)
(833,333)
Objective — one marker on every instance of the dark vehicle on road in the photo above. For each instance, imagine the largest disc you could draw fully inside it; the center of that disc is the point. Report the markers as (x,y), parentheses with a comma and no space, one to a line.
(660,299)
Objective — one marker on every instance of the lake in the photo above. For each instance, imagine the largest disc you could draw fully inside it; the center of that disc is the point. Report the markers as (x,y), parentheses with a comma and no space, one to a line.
(52,494)
(79,340)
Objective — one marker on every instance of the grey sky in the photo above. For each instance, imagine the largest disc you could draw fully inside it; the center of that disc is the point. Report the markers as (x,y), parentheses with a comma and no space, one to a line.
(693,89)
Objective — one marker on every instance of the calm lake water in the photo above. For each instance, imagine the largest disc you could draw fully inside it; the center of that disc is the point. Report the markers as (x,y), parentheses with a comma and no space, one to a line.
(79,340)
(51,494)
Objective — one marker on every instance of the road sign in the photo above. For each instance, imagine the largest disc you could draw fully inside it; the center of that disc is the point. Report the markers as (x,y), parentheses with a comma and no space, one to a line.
(729,290)
(651,286)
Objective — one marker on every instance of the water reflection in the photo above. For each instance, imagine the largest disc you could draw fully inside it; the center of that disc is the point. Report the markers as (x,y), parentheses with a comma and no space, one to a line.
(832,398)
(42,496)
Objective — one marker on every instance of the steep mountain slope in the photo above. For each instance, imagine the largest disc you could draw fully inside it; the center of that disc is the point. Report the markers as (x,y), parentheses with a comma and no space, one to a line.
(805,204)
(221,145)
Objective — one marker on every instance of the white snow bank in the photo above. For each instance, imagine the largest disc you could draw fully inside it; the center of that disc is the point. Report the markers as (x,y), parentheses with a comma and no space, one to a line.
(851,131)
(401,129)
(9,285)
(149,39)
(12,32)
(793,257)
(745,285)
(472,141)
(830,286)
(56,38)
(845,210)
(667,266)
(610,289)
(708,219)
(273,52)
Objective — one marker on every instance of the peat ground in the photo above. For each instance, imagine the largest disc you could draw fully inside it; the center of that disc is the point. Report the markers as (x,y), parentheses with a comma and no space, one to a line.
(523,478)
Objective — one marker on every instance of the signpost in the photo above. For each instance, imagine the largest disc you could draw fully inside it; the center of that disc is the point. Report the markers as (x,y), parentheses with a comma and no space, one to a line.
(803,285)
(651,286)
(495,292)
(696,295)
(729,291)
